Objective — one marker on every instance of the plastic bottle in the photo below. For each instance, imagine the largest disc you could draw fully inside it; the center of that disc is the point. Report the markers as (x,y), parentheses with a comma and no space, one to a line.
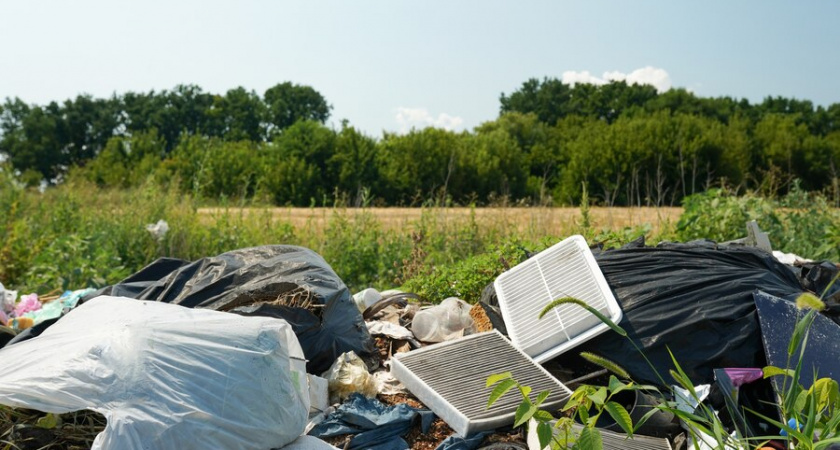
(442,322)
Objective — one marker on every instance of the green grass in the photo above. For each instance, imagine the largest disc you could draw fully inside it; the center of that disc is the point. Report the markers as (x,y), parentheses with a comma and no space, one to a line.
(78,235)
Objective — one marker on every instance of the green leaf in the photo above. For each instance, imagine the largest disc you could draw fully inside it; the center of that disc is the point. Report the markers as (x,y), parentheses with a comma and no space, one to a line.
(824,444)
(544,433)
(590,439)
(826,393)
(493,379)
(799,331)
(616,385)
(500,390)
(599,397)
(772,371)
(620,416)
(48,422)
(582,304)
(524,412)
(543,416)
(541,397)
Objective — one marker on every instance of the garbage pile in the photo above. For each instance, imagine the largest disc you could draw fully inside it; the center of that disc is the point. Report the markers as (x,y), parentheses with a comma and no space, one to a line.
(265,347)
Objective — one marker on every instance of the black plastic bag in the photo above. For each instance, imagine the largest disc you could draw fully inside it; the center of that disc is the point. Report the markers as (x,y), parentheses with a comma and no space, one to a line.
(293,283)
(694,299)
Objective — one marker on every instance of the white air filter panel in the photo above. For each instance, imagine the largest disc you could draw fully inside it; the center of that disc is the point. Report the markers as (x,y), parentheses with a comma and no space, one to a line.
(451,379)
(567,269)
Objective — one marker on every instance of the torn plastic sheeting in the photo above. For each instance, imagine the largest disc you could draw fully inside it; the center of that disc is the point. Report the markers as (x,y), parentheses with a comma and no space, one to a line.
(470,442)
(348,375)
(695,299)
(164,376)
(263,281)
(374,425)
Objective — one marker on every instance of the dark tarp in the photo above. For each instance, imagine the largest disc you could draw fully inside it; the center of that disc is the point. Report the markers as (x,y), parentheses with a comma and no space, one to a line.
(694,298)
(293,283)
(778,319)
(373,424)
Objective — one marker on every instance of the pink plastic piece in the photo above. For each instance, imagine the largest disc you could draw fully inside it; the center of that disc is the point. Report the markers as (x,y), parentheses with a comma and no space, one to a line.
(27,304)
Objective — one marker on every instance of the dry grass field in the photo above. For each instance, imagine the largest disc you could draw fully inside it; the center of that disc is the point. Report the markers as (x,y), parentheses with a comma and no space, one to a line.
(527,221)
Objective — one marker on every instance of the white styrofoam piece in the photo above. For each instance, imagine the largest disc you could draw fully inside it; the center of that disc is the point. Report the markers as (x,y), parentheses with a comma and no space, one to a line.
(567,269)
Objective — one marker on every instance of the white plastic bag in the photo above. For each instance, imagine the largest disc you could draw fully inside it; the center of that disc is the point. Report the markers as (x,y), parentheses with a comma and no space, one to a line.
(165,376)
(442,322)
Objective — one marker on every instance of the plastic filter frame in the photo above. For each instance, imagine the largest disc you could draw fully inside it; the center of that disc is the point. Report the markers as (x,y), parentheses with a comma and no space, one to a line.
(567,269)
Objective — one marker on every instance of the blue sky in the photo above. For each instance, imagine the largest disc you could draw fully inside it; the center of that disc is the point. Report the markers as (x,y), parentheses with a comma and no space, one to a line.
(389,65)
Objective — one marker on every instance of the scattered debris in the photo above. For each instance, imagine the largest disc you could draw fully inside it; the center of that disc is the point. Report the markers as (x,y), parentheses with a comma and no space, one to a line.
(445,321)
(347,376)
(386,357)
(158,230)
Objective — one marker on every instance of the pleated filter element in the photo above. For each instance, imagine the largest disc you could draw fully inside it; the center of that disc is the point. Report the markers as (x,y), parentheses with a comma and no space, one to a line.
(451,379)
(567,269)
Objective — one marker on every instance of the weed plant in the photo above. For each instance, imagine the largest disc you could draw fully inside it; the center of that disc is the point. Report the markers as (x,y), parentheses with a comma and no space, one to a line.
(79,235)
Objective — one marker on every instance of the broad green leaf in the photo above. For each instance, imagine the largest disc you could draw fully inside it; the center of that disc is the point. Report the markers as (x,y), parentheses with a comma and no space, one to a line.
(825,393)
(500,390)
(493,379)
(801,401)
(590,439)
(525,390)
(620,416)
(543,416)
(541,397)
(772,371)
(599,397)
(583,414)
(616,385)
(544,433)
(582,304)
(524,413)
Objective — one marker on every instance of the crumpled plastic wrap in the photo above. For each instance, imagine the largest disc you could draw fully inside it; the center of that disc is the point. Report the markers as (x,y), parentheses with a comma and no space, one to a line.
(347,375)
(165,376)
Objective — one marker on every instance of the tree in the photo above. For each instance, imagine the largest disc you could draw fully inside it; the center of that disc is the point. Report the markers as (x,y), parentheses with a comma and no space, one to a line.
(243,115)
(353,164)
(288,103)
(296,163)
(549,100)
(30,139)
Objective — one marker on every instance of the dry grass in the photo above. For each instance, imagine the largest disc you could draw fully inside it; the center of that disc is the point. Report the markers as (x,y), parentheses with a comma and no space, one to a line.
(535,220)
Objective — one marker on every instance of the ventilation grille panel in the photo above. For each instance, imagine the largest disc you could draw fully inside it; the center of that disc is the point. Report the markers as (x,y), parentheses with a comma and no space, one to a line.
(451,379)
(567,269)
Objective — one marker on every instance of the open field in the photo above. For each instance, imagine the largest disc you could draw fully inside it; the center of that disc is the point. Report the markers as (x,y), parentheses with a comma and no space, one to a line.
(535,220)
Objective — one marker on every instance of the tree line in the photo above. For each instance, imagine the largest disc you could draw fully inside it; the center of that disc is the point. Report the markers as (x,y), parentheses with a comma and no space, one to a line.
(625,144)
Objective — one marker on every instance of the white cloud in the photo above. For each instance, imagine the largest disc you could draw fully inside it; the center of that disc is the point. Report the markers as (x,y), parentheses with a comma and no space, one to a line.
(653,76)
(409,118)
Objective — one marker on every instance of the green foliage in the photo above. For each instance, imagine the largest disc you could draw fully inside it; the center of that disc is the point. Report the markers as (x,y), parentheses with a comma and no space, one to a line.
(466,278)
(799,222)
